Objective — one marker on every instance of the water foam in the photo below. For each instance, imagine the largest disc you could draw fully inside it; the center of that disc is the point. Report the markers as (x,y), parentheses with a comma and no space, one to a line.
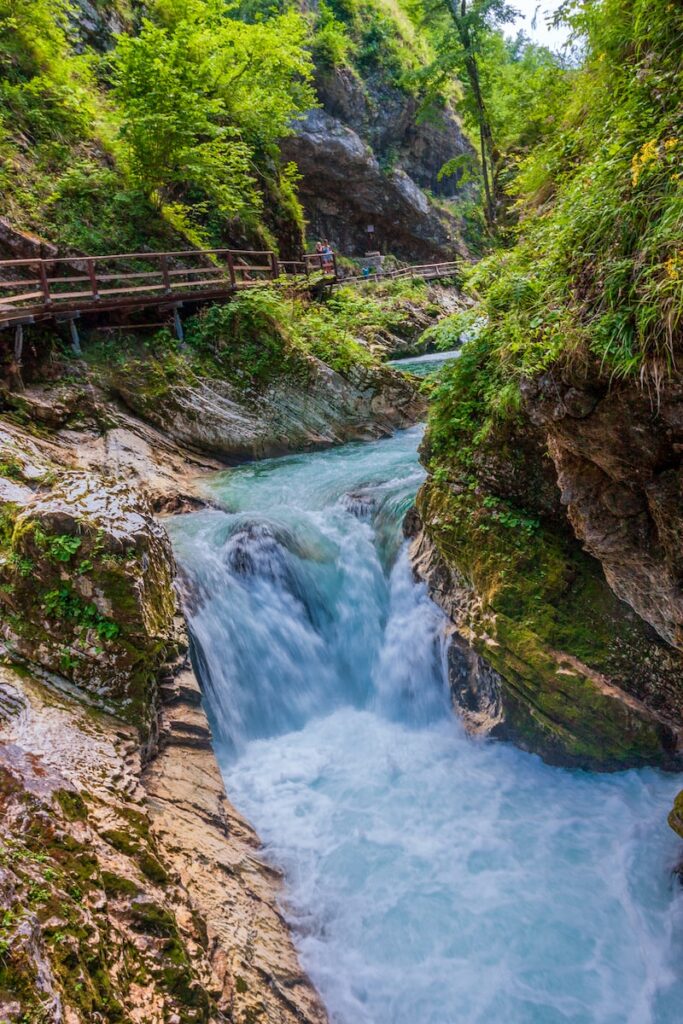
(430,878)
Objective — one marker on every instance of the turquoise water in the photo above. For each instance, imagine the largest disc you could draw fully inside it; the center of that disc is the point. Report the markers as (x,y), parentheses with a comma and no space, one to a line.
(430,878)
(425,366)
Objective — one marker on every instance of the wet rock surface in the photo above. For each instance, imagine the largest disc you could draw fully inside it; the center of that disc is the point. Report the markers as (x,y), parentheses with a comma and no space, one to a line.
(558,560)
(132,893)
(216,418)
(611,708)
(617,456)
(131,890)
(87,590)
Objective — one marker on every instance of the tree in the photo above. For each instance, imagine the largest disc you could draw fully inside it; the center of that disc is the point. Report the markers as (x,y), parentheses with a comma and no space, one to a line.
(460,49)
(204,101)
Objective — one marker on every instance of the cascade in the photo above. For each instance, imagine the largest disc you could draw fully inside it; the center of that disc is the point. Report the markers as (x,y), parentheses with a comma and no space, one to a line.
(429,878)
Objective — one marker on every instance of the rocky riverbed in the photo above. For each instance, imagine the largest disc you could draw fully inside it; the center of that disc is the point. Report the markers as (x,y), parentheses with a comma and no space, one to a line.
(133,891)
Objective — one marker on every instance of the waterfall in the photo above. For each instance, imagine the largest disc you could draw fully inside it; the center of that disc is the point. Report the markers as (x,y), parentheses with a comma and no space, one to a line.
(430,878)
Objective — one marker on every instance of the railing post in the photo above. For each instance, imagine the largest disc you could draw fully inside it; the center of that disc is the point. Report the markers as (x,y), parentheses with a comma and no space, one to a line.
(93,278)
(44,282)
(334,266)
(164,274)
(275,267)
(231,269)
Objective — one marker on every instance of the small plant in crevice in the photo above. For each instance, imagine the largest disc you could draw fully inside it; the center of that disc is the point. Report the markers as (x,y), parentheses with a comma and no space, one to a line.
(64,604)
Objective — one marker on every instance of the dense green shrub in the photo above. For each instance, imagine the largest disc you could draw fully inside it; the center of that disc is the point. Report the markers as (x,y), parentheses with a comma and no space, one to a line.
(175,131)
(597,270)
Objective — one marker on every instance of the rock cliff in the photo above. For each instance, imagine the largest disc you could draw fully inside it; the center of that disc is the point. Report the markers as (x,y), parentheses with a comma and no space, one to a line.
(132,891)
(556,552)
(368,160)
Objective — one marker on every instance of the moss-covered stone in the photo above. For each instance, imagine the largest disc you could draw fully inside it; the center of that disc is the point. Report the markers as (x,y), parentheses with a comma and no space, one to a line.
(86,582)
(115,885)
(72,803)
(574,662)
(676,815)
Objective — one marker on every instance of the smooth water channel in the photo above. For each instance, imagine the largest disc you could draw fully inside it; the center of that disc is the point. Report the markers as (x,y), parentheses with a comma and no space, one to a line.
(430,878)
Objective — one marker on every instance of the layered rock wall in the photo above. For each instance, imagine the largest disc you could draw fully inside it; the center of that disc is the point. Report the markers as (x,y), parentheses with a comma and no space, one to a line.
(369,160)
(557,556)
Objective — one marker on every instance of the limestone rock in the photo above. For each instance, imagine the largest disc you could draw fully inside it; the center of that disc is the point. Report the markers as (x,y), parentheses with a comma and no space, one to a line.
(131,895)
(216,418)
(331,155)
(619,472)
(88,591)
(557,664)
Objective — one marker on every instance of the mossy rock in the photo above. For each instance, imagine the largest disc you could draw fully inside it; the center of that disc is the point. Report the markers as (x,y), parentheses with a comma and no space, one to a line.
(575,664)
(676,815)
(86,586)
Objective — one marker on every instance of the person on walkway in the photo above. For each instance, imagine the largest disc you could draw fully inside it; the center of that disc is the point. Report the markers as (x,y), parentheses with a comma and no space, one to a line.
(327,255)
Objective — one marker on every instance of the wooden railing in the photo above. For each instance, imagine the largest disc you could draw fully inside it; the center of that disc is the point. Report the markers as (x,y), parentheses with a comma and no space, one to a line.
(34,290)
(427,271)
(39,289)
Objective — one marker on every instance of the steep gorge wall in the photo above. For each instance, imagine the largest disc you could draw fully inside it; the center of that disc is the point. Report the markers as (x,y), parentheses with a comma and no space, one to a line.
(132,891)
(557,556)
(368,160)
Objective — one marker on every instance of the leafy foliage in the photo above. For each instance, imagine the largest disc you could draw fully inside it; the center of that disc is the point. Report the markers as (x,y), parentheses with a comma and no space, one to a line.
(597,270)
(262,335)
(175,131)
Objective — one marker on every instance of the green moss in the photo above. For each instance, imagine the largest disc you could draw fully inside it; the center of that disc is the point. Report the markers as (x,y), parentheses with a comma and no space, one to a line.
(114,885)
(11,468)
(122,841)
(153,919)
(550,625)
(240,985)
(152,868)
(8,515)
(73,805)
(175,973)
(676,816)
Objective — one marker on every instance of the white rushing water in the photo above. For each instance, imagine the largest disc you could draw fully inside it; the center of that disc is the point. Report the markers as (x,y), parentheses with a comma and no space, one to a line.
(423,366)
(430,878)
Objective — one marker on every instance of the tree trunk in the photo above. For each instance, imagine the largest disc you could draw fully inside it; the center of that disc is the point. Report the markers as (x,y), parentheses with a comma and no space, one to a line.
(485,134)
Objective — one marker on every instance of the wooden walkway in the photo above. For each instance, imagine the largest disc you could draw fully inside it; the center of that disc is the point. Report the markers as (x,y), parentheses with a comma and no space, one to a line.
(62,289)
(427,271)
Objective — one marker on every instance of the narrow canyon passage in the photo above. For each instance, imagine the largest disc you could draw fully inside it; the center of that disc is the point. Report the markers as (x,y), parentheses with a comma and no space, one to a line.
(430,878)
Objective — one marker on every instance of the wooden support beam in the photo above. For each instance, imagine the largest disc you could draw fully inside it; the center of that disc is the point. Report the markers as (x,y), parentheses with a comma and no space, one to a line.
(16,380)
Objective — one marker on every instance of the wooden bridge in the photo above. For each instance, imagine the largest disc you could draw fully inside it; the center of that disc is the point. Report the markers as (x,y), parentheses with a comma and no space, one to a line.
(65,288)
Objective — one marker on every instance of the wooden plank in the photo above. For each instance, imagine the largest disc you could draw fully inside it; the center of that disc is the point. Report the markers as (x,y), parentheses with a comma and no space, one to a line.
(15,284)
(22,297)
(22,263)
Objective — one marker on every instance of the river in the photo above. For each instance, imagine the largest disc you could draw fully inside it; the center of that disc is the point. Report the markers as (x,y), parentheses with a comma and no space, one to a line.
(430,878)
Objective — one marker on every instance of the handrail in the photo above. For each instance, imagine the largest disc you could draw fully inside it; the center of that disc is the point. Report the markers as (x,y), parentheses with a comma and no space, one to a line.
(66,286)
(70,285)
